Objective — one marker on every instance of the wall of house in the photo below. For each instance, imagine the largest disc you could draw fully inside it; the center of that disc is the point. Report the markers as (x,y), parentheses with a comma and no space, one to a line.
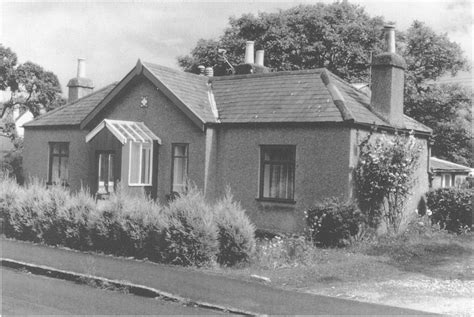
(322,170)
(36,154)
(421,184)
(169,123)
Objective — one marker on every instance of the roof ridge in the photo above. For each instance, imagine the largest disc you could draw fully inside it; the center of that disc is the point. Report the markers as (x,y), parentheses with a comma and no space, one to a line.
(270,74)
(192,75)
(337,97)
(47,114)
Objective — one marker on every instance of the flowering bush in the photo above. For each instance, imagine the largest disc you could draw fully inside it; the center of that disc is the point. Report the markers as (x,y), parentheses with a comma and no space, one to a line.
(332,223)
(283,251)
(384,177)
(451,208)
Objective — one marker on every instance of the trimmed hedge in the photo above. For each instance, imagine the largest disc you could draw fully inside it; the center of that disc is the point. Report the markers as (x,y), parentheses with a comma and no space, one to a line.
(332,223)
(236,232)
(451,208)
(187,232)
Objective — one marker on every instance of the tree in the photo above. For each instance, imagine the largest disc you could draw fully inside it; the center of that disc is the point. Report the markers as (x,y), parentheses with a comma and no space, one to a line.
(31,87)
(447,110)
(338,36)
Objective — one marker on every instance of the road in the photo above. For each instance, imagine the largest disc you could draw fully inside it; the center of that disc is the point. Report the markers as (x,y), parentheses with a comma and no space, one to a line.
(27,294)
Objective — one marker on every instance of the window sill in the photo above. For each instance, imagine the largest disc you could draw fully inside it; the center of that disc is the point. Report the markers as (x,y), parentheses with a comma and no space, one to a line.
(277,201)
(139,185)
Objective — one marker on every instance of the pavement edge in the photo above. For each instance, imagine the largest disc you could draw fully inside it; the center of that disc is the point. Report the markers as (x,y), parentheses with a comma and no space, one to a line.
(136,289)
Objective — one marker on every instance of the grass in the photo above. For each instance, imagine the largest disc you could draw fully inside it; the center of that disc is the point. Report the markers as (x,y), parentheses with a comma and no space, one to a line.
(421,250)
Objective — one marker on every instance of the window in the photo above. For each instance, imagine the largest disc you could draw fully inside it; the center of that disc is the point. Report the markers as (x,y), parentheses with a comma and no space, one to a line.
(446,180)
(58,163)
(105,177)
(179,167)
(140,167)
(277,172)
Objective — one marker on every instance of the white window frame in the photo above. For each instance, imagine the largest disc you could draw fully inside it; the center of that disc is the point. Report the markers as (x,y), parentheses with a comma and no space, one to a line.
(142,145)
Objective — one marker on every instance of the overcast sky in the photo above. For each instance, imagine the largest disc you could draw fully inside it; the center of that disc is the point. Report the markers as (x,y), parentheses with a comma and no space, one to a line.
(113,35)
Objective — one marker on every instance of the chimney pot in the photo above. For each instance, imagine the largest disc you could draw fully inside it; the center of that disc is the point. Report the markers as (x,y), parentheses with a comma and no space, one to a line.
(209,71)
(81,68)
(249,57)
(201,69)
(389,38)
(259,57)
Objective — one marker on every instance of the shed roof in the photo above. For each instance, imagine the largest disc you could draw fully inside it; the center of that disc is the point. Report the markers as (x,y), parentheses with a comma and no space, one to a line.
(439,165)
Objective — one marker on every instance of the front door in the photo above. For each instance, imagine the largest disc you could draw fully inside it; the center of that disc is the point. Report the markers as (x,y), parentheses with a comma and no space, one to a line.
(105,172)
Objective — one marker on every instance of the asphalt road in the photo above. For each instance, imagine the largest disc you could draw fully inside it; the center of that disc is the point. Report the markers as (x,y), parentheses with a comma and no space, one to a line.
(27,294)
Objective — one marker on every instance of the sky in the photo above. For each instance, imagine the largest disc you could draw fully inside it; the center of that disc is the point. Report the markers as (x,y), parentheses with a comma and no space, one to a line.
(113,35)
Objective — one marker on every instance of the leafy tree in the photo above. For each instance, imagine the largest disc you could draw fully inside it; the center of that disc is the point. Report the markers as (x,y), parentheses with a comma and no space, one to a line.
(338,36)
(447,110)
(31,87)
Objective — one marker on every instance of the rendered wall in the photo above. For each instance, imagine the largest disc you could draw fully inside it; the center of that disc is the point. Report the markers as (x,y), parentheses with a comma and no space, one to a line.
(169,123)
(322,170)
(36,154)
(421,184)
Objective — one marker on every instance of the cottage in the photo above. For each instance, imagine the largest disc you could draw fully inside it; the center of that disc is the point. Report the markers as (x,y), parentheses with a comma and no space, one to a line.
(280,140)
(445,174)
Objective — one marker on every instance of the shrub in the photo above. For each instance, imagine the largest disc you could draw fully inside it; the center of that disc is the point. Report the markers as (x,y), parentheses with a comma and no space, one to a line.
(283,251)
(9,195)
(451,208)
(332,223)
(192,235)
(75,220)
(236,232)
(384,177)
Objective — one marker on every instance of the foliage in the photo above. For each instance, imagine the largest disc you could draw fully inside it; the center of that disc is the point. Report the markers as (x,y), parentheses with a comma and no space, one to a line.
(451,208)
(447,110)
(236,232)
(384,177)
(339,36)
(192,234)
(12,161)
(283,251)
(430,55)
(30,87)
(332,223)
(187,232)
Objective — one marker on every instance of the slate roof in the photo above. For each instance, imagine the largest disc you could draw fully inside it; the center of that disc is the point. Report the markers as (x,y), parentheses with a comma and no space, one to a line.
(72,113)
(190,88)
(439,165)
(290,96)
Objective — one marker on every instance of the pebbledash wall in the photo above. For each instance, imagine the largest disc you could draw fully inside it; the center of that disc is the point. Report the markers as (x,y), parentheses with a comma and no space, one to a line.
(321,169)
(36,154)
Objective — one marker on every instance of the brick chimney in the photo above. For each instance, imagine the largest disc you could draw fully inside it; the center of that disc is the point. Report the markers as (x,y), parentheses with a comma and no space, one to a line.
(80,86)
(387,81)
(250,66)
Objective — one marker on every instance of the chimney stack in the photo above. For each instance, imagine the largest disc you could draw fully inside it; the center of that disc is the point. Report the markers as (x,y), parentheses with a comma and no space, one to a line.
(209,72)
(249,58)
(387,76)
(80,86)
(259,57)
(201,69)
